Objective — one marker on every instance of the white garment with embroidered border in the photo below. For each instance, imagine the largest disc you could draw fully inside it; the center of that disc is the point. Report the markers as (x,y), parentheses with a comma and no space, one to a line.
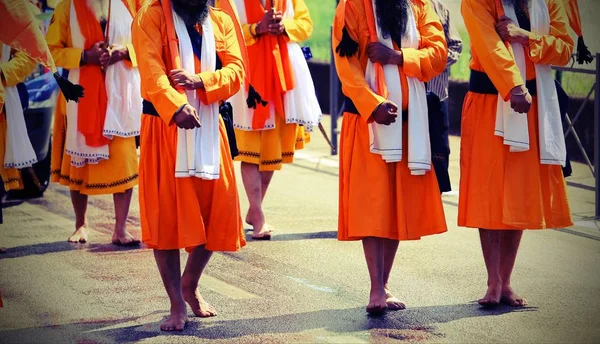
(19,151)
(124,110)
(513,126)
(386,140)
(300,103)
(198,149)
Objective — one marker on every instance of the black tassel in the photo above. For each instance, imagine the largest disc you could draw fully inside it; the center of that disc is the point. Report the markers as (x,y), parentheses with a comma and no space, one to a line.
(226,111)
(70,91)
(347,46)
(254,98)
(583,53)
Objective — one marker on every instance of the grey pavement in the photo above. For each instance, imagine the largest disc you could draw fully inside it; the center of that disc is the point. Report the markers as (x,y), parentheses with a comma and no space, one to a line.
(302,286)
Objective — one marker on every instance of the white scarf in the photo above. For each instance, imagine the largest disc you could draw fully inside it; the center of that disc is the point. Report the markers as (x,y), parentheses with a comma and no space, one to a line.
(300,103)
(386,140)
(19,151)
(124,108)
(198,150)
(512,126)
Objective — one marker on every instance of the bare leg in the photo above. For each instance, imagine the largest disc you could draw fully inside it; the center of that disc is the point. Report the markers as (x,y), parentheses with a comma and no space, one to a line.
(373,248)
(79,202)
(390,247)
(253,185)
(490,244)
(120,235)
(265,181)
(510,246)
(194,267)
(170,272)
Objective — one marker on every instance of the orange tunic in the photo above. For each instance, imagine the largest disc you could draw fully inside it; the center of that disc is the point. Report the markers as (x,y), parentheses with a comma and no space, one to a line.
(120,172)
(184,212)
(500,189)
(379,199)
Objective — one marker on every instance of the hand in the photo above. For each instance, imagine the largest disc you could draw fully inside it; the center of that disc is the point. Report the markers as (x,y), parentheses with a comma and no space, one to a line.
(186,80)
(187,118)
(385,113)
(114,54)
(509,32)
(520,99)
(381,54)
(270,23)
(92,55)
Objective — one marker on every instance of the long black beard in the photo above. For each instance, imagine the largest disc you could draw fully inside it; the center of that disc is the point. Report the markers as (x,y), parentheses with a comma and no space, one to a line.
(191,11)
(517,4)
(392,16)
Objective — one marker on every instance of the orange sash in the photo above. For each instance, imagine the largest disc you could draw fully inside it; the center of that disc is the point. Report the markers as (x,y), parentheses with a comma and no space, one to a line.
(269,58)
(371,22)
(91,110)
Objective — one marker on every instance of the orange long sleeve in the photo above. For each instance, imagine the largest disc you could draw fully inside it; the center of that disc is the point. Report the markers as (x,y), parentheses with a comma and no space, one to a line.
(430,59)
(572,9)
(557,47)
(59,38)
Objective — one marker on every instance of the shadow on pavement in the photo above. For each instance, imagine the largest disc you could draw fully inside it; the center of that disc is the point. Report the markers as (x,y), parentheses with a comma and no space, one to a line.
(61,246)
(418,322)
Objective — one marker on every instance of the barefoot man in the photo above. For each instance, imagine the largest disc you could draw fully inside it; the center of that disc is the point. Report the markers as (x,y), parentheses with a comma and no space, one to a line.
(512,145)
(385,51)
(190,61)
(94,150)
(269,134)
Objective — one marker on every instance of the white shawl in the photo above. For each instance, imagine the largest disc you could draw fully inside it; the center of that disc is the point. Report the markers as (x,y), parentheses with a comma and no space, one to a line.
(512,126)
(300,104)
(124,108)
(19,151)
(386,140)
(198,149)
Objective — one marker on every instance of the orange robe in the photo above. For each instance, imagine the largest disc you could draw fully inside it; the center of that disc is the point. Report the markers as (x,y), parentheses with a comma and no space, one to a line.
(379,199)
(572,9)
(269,149)
(120,172)
(14,71)
(500,189)
(184,212)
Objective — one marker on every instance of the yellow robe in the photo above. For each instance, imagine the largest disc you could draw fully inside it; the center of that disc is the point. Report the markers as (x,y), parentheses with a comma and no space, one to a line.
(184,212)
(14,71)
(379,199)
(500,189)
(269,149)
(120,172)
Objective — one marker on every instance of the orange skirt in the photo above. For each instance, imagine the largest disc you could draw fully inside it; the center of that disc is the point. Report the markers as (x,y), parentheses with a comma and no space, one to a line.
(504,190)
(379,199)
(117,174)
(10,176)
(185,212)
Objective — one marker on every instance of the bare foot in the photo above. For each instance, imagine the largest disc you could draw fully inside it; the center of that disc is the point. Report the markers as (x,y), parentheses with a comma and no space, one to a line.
(256,218)
(175,322)
(199,306)
(80,235)
(124,239)
(393,303)
(377,302)
(510,298)
(492,296)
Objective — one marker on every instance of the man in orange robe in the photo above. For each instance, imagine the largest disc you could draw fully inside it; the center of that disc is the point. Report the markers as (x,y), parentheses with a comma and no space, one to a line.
(381,202)
(502,191)
(199,214)
(83,157)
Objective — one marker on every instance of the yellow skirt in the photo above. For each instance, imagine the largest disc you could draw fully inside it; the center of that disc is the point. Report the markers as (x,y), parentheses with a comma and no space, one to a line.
(10,176)
(115,175)
(269,149)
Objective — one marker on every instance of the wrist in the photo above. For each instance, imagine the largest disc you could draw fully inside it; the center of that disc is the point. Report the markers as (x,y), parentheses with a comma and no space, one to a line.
(398,58)
(83,58)
(199,84)
(520,90)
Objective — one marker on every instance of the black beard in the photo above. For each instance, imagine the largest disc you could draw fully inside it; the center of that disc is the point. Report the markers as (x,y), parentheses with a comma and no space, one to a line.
(392,16)
(517,4)
(191,11)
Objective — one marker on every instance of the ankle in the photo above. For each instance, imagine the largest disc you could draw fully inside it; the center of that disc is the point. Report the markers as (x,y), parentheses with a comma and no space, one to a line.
(79,224)
(497,282)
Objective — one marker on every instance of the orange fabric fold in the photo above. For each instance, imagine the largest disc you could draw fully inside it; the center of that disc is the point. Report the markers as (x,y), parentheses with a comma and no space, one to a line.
(91,110)
(172,37)
(270,58)
(379,75)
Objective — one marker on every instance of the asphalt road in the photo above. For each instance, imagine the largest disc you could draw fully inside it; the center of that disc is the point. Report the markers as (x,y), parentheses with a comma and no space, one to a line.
(303,286)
